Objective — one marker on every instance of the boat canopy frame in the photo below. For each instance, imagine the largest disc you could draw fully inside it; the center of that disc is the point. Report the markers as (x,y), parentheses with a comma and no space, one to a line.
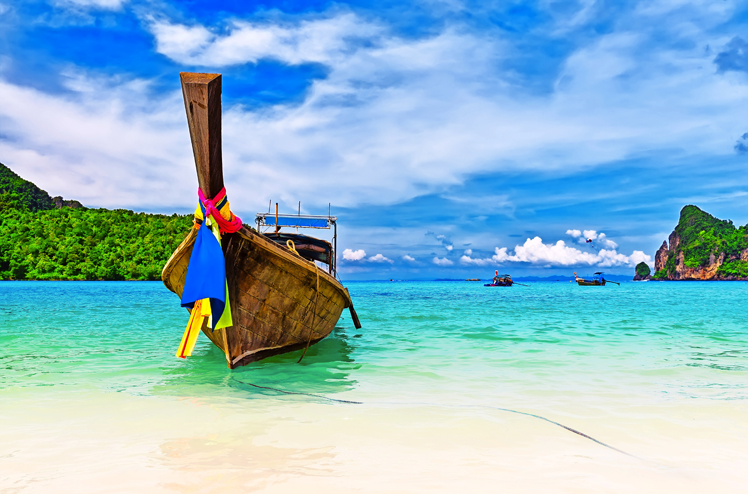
(320,222)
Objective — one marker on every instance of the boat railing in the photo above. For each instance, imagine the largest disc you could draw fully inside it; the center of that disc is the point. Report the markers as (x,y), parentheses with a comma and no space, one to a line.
(323,222)
(295,221)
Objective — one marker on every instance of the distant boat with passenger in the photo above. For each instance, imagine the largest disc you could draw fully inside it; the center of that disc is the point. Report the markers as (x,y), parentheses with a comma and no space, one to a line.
(501,280)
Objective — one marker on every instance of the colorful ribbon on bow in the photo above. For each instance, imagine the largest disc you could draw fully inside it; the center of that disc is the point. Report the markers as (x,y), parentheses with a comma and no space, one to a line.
(205,289)
(219,209)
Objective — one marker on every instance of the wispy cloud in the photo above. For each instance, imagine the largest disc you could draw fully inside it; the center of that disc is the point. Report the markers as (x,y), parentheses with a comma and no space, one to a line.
(484,204)
(107,142)
(394,117)
(442,261)
(591,236)
(322,40)
(91,4)
(734,56)
(442,239)
(741,146)
(408,116)
(380,258)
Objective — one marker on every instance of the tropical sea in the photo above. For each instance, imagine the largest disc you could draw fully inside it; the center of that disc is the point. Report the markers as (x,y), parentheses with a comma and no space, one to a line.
(92,398)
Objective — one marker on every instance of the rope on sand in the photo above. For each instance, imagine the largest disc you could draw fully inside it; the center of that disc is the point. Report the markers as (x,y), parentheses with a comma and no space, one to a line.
(439,405)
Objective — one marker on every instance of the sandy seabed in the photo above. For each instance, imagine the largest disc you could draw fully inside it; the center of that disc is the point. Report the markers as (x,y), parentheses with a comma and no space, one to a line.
(93,441)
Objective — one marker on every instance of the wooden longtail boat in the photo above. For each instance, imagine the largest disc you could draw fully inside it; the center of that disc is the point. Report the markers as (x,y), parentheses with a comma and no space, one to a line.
(280,299)
(598,279)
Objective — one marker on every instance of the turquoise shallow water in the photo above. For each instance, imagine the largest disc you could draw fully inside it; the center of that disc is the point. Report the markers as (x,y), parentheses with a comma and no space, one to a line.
(91,394)
(542,346)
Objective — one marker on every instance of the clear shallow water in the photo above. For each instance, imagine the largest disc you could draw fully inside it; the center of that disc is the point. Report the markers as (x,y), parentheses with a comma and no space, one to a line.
(657,341)
(620,362)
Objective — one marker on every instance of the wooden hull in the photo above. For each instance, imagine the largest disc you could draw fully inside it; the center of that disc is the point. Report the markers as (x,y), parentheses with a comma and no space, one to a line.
(273,294)
(590,283)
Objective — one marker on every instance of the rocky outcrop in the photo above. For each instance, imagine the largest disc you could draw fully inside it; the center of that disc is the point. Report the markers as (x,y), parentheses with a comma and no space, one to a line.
(703,247)
(60,203)
(661,257)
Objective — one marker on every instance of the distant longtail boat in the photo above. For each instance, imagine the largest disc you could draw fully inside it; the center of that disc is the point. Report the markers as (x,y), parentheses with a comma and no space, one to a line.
(277,297)
(598,279)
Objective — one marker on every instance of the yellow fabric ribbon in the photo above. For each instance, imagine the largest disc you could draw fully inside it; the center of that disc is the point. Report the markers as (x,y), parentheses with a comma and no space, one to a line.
(199,312)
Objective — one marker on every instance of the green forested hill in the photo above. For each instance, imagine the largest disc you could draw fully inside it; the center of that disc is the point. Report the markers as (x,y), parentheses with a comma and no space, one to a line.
(16,192)
(38,241)
(703,247)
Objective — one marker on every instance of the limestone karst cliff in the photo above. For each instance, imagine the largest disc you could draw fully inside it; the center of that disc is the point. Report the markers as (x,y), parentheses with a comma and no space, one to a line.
(703,247)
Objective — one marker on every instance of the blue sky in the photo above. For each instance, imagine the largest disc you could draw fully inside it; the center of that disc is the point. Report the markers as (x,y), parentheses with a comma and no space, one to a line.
(451,138)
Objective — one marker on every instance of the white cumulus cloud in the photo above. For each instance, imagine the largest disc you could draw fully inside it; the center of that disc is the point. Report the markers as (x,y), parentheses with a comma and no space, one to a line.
(408,258)
(535,251)
(603,241)
(638,256)
(353,255)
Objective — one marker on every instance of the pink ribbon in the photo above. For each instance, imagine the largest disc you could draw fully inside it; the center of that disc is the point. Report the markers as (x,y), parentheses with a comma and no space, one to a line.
(224,225)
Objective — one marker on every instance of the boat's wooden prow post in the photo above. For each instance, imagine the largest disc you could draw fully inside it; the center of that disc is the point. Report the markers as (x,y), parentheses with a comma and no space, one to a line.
(202,101)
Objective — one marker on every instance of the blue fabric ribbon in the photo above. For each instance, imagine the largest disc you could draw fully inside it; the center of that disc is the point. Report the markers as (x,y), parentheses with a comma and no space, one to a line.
(206,272)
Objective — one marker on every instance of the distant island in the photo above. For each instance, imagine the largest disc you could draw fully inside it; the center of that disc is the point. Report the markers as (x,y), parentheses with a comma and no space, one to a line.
(703,247)
(49,238)
(643,273)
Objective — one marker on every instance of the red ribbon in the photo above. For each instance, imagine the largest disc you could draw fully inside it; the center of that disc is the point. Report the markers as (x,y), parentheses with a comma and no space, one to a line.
(224,225)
